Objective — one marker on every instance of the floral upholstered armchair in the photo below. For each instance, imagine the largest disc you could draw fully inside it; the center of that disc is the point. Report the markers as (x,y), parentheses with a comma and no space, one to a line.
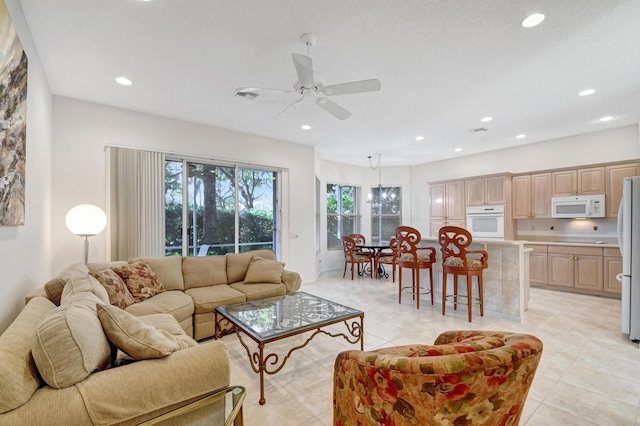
(465,378)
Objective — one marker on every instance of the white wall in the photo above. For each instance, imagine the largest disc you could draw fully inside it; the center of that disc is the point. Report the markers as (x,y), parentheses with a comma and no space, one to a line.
(25,250)
(619,144)
(82,130)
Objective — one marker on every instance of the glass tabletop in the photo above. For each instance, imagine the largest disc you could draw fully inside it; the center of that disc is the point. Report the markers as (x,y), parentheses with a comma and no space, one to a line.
(282,315)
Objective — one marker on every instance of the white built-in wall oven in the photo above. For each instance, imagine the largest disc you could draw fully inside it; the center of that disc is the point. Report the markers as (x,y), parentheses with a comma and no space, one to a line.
(486,222)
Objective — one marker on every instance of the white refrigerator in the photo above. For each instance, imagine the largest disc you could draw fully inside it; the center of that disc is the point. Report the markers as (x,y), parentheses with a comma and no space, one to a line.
(629,240)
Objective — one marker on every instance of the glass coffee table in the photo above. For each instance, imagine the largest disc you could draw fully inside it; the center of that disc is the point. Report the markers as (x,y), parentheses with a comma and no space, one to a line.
(275,318)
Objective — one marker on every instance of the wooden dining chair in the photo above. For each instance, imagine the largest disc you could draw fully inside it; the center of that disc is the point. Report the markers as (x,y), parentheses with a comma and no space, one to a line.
(457,262)
(351,256)
(412,256)
(389,257)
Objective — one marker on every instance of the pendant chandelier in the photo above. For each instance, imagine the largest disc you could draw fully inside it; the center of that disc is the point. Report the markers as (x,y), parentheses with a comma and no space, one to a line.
(380,196)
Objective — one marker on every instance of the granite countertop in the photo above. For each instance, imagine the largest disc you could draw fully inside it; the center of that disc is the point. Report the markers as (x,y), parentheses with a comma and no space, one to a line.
(573,241)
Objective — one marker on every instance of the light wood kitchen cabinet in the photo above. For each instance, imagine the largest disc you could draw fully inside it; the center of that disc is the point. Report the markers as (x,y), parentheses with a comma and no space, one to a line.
(446,205)
(577,267)
(612,266)
(586,181)
(538,271)
(487,190)
(615,174)
(531,196)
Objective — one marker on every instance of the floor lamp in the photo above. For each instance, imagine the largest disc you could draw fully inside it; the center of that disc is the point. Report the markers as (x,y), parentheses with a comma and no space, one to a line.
(86,220)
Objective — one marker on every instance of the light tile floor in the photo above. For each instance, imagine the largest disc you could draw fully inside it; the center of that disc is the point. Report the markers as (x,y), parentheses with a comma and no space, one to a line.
(589,373)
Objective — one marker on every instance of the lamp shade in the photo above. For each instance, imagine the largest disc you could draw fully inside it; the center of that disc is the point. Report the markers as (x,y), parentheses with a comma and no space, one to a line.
(86,220)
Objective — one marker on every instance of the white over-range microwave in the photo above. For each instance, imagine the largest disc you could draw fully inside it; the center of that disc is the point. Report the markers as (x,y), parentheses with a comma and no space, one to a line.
(578,206)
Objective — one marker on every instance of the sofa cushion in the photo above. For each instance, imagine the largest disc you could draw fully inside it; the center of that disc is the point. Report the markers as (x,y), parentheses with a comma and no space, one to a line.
(263,271)
(68,343)
(176,303)
(206,299)
(81,282)
(54,286)
(253,292)
(137,339)
(119,294)
(18,384)
(99,266)
(204,271)
(168,269)
(238,263)
(140,279)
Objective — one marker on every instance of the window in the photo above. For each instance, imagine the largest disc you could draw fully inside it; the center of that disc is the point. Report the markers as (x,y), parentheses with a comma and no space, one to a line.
(342,214)
(386,212)
(226,208)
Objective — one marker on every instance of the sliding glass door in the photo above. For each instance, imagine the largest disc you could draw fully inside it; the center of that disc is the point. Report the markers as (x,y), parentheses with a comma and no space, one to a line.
(227,208)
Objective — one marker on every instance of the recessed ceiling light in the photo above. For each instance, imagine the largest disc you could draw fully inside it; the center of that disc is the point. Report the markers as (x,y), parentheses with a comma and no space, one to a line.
(124,81)
(521,136)
(458,149)
(606,118)
(533,20)
(305,127)
(419,138)
(486,119)
(587,92)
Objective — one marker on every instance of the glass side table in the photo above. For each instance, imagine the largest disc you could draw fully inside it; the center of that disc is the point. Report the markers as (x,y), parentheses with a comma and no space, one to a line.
(222,407)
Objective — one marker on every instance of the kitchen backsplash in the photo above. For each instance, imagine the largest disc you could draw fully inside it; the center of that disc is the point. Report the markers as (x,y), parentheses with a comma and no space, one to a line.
(572,228)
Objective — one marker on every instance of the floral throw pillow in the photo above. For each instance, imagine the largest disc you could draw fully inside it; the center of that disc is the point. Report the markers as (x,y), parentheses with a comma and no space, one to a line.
(119,294)
(140,279)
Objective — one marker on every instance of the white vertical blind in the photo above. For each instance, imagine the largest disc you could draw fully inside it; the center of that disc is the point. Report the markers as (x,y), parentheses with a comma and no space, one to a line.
(136,194)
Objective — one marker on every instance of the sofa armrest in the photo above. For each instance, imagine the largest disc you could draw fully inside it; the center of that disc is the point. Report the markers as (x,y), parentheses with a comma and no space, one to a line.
(292,280)
(39,292)
(145,389)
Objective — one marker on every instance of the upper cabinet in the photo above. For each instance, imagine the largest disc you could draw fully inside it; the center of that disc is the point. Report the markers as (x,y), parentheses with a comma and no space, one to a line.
(487,190)
(532,196)
(446,205)
(615,174)
(587,181)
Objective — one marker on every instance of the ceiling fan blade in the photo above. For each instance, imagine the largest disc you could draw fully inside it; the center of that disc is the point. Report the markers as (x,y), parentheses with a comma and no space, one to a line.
(372,85)
(333,108)
(304,68)
(291,105)
(253,92)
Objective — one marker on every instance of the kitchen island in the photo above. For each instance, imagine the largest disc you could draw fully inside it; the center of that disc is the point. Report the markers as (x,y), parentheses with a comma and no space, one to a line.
(506,279)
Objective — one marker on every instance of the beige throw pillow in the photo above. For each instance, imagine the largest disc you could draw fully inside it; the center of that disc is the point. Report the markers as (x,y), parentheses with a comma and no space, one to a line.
(68,343)
(137,339)
(54,286)
(264,271)
(140,279)
(119,294)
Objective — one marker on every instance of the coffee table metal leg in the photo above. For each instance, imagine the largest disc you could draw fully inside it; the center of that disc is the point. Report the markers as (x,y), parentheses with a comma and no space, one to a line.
(261,367)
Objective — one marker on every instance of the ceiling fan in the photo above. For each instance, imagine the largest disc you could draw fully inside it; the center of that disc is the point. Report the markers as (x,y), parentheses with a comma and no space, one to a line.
(308,86)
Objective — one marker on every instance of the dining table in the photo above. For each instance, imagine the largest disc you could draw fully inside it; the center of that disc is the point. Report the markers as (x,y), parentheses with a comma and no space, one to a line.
(375,250)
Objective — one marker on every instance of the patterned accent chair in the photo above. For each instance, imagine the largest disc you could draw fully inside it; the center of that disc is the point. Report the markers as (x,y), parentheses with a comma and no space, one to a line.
(457,262)
(353,257)
(465,378)
(414,257)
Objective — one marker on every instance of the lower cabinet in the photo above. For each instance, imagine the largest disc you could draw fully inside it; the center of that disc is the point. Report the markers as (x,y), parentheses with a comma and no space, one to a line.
(586,269)
(612,267)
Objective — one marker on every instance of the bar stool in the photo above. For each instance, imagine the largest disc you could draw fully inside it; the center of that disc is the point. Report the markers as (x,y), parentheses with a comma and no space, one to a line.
(453,244)
(416,258)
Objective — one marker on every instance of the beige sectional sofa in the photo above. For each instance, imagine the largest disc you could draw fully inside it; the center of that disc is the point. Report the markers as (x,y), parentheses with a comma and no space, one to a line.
(58,363)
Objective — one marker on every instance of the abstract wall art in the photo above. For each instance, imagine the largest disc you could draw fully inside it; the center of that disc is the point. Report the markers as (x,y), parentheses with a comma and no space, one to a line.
(13,122)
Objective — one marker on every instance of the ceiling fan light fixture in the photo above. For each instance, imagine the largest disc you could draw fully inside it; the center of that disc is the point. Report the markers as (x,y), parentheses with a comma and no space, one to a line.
(533,20)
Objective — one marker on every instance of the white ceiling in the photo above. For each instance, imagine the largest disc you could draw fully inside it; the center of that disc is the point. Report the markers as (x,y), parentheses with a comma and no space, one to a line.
(443,66)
